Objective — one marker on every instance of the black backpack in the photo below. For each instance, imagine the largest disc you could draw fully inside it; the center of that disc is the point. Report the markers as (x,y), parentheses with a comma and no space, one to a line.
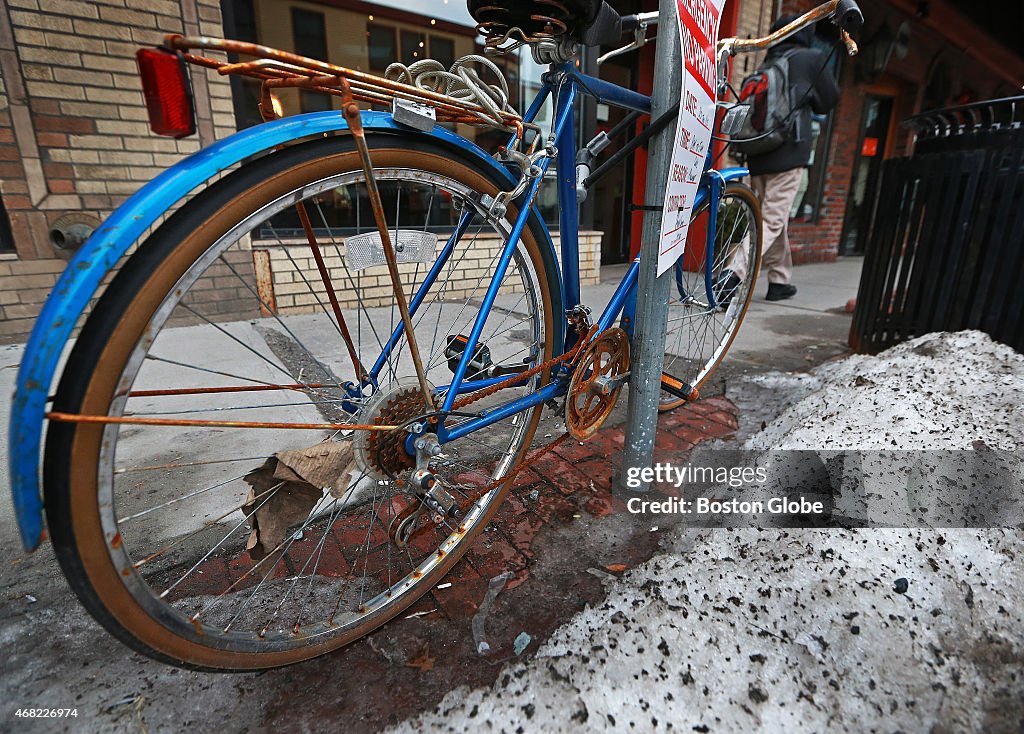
(767,95)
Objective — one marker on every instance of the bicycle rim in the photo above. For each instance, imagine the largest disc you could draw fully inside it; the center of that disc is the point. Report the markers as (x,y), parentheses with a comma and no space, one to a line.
(336,572)
(699,335)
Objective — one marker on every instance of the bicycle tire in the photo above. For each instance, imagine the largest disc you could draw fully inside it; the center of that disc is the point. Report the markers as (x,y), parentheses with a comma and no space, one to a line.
(734,194)
(84,544)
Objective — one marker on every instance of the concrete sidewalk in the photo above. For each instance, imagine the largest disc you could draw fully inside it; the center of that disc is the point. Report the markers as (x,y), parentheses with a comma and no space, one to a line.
(790,335)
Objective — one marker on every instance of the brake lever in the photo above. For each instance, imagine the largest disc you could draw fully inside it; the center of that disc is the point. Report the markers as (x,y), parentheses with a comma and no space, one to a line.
(639,41)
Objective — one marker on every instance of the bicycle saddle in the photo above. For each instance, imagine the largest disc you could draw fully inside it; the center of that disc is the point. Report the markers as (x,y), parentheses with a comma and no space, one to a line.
(591,22)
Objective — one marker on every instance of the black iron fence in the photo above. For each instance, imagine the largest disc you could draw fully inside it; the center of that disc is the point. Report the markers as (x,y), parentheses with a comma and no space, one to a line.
(946,245)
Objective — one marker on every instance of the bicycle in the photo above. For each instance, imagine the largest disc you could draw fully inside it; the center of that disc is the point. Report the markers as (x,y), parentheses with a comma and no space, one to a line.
(235,544)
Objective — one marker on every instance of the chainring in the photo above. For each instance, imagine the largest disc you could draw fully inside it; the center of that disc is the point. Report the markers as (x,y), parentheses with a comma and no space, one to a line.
(596,383)
(382,454)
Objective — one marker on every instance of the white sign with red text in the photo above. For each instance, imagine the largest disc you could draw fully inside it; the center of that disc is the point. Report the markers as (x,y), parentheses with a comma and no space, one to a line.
(698,33)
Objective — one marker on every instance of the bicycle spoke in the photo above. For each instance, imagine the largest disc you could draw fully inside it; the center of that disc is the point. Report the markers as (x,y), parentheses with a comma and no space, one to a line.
(254,570)
(302,274)
(298,342)
(188,496)
(270,493)
(190,464)
(258,406)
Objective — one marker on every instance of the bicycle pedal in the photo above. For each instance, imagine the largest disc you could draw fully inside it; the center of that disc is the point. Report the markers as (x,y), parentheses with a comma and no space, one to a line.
(479,365)
(677,387)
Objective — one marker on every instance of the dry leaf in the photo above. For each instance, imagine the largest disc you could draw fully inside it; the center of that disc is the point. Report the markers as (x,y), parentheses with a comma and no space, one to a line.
(423,662)
(287,487)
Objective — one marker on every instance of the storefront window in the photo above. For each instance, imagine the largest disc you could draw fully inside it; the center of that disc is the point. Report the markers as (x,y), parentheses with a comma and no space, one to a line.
(382,47)
(443,51)
(311,40)
(414,47)
(310,34)
(240,23)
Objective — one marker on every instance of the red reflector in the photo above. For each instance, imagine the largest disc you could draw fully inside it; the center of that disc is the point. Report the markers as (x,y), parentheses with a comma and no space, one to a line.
(168,92)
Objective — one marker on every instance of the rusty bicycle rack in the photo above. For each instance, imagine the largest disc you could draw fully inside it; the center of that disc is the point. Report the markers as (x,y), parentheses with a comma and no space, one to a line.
(281,69)
(277,69)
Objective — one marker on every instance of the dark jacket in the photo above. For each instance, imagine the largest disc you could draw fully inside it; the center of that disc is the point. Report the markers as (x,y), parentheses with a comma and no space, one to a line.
(807,80)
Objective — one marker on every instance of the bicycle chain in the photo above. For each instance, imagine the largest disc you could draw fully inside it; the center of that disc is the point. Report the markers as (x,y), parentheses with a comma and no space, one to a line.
(532,372)
(569,357)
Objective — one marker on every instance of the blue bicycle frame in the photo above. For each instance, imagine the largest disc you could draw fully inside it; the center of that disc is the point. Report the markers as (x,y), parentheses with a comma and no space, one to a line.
(565,83)
(81,279)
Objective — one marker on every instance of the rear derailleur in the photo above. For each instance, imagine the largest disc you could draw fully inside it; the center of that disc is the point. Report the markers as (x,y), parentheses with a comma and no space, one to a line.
(432,503)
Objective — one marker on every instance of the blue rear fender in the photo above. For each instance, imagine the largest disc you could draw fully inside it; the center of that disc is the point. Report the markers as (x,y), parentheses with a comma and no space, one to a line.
(101,252)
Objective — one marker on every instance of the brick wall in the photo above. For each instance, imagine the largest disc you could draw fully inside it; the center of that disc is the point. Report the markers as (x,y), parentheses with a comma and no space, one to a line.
(819,241)
(297,288)
(73,130)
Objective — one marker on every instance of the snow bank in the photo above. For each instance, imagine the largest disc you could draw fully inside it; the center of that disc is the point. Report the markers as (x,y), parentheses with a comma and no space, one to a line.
(941,391)
(801,630)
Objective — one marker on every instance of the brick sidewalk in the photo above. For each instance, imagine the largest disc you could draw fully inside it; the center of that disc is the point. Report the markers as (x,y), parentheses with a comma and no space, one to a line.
(570,482)
(560,533)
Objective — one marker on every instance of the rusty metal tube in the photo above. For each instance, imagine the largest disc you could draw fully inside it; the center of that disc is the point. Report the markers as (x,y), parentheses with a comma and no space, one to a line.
(355,124)
(175,422)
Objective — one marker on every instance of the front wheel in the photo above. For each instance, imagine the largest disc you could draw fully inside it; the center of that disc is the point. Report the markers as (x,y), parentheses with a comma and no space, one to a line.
(699,333)
(205,544)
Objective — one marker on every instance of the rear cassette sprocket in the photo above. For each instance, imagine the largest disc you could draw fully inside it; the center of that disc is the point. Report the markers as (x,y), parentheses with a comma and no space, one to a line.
(380,454)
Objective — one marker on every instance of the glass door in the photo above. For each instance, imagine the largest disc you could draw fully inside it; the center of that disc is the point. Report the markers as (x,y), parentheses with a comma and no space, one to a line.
(876,123)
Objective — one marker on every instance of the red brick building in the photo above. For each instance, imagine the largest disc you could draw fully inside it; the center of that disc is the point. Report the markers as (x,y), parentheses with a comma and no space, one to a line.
(74,141)
(916,56)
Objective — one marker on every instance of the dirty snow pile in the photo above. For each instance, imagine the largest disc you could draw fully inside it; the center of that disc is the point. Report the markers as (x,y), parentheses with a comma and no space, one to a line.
(928,434)
(802,630)
(940,391)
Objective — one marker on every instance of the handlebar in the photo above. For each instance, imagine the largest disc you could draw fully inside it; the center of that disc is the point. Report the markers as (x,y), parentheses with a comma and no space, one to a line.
(630,23)
(844,13)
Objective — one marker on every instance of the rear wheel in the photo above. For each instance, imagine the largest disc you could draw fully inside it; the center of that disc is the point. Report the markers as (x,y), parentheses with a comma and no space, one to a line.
(218,547)
(699,334)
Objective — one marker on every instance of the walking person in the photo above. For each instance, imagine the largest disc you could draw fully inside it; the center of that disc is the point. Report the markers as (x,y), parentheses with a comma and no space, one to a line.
(776,175)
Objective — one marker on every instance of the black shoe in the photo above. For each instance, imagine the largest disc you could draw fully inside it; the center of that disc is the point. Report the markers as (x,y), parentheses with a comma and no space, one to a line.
(725,287)
(780,291)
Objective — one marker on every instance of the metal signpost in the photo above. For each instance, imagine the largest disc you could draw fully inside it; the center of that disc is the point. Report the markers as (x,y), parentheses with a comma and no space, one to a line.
(677,163)
(653,292)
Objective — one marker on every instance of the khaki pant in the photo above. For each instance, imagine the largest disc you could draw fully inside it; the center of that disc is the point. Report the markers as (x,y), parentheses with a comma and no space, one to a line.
(777,193)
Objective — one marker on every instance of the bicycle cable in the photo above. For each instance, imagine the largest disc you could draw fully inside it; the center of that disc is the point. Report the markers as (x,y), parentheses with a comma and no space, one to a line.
(461,82)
